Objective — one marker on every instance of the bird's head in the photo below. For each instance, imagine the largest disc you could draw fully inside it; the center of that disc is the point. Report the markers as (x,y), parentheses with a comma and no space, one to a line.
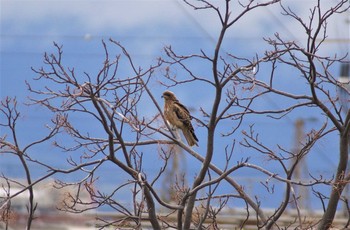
(168,95)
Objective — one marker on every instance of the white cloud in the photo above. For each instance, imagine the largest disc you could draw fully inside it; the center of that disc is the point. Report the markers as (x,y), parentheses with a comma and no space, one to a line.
(147,18)
(96,16)
(90,14)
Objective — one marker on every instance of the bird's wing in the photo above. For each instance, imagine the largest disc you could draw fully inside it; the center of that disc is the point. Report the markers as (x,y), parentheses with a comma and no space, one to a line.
(184,118)
(181,112)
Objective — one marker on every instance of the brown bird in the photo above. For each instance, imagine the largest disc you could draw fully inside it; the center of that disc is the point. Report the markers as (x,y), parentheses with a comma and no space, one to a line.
(178,116)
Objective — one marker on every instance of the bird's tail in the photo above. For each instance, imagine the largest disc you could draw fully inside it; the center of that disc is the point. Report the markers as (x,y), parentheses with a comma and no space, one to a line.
(190,136)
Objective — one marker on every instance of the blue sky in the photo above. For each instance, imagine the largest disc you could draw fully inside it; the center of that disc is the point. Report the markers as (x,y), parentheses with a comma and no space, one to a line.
(29,28)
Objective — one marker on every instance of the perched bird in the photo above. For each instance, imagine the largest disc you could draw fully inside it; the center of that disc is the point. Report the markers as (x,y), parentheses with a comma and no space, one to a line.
(178,116)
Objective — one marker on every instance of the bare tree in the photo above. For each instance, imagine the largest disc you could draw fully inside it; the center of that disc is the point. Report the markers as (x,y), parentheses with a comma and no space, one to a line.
(121,133)
(315,72)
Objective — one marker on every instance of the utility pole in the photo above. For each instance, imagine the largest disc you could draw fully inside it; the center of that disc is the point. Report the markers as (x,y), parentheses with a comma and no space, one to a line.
(174,174)
(301,171)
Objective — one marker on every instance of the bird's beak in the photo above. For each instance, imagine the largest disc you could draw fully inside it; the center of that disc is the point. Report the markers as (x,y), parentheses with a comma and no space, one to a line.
(162,96)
